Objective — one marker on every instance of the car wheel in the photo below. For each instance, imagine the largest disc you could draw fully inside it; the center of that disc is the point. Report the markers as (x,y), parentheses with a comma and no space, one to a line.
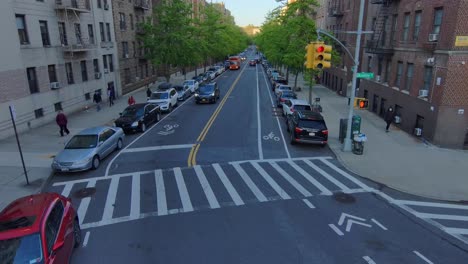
(293,140)
(96,161)
(76,233)
(170,108)
(119,144)
(143,127)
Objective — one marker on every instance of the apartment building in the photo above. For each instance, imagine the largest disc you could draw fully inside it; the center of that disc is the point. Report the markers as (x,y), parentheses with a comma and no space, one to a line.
(136,69)
(419,55)
(54,56)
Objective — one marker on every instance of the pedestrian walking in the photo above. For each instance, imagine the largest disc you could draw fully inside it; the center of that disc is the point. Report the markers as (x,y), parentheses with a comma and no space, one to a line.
(148,93)
(97,99)
(131,100)
(111,95)
(62,121)
(389,117)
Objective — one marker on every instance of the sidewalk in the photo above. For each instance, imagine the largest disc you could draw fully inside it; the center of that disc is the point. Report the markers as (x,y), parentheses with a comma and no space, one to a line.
(39,145)
(396,159)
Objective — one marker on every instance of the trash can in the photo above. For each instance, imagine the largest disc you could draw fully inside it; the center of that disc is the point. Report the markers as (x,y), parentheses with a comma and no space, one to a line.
(356,125)
(358,143)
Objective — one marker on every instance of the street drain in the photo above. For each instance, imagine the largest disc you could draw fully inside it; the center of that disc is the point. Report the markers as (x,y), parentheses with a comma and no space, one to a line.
(344,198)
(85,192)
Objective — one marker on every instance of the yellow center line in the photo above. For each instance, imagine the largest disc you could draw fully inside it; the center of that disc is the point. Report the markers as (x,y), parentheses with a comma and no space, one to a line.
(193,152)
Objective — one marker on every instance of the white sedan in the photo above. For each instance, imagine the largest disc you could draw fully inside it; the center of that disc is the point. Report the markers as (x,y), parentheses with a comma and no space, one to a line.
(292,105)
(281,88)
(192,85)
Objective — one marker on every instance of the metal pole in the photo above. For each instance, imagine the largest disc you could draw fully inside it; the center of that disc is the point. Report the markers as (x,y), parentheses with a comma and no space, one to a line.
(19,145)
(347,140)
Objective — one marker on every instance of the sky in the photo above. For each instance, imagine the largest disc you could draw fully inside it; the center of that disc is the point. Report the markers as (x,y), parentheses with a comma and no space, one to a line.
(247,12)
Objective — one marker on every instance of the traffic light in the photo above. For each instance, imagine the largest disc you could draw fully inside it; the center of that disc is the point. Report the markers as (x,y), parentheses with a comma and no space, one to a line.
(361,103)
(309,56)
(322,56)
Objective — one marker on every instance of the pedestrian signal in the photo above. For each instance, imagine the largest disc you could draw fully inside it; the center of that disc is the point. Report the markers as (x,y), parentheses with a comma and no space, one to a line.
(361,103)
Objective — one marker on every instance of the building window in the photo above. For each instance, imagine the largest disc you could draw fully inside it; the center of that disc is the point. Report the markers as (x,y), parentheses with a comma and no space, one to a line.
(32,80)
(106,6)
(111,64)
(52,73)
(383,37)
(387,71)
(38,113)
(87,96)
(438,13)
(406,23)
(78,34)
(427,77)
(409,76)
(44,33)
(398,74)
(394,28)
(84,71)
(146,70)
(104,61)
(125,49)
(69,71)
(99,4)
(96,66)
(134,49)
(142,74)
(417,24)
(108,32)
(127,76)
(91,34)
(22,32)
(369,62)
(63,33)
(101,30)
(123,24)
(131,21)
(58,106)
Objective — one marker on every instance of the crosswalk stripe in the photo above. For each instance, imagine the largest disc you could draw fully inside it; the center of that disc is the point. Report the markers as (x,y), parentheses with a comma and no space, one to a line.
(345,174)
(110,200)
(270,180)
(67,189)
(290,179)
(85,202)
(311,179)
(206,187)
(135,198)
(442,216)
(160,193)
(326,175)
(184,195)
(430,204)
(260,196)
(454,230)
(227,183)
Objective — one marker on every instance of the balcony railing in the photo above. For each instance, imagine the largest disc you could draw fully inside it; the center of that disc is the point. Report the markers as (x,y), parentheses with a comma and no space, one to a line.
(141,4)
(74,5)
(373,46)
(82,45)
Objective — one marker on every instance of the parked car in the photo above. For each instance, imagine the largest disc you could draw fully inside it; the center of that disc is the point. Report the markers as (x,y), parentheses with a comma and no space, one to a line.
(307,127)
(292,105)
(192,85)
(183,92)
(283,96)
(227,64)
(164,86)
(219,69)
(252,63)
(39,228)
(138,117)
(212,75)
(278,81)
(166,99)
(86,149)
(213,69)
(281,87)
(198,78)
(207,93)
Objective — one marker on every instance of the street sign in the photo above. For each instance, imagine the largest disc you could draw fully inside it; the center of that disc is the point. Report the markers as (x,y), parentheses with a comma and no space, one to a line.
(365,75)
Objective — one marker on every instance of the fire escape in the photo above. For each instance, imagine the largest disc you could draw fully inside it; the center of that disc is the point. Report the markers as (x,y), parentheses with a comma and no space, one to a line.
(378,44)
(69,13)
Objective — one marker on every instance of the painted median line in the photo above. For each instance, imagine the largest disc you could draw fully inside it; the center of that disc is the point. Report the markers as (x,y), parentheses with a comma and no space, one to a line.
(155,148)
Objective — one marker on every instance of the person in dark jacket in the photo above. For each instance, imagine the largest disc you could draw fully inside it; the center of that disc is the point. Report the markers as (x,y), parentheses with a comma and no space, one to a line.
(62,122)
(389,117)
(97,99)
(148,93)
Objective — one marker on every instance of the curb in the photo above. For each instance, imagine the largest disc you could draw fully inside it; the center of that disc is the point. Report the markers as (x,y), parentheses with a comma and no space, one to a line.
(46,182)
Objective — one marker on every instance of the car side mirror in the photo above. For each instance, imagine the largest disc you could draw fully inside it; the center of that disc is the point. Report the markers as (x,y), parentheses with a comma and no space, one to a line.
(120,114)
(58,245)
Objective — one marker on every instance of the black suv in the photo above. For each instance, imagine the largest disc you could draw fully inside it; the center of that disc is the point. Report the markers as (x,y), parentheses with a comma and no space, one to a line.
(207,93)
(307,127)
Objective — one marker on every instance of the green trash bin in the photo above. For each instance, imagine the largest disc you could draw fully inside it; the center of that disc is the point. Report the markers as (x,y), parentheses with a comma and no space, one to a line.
(355,125)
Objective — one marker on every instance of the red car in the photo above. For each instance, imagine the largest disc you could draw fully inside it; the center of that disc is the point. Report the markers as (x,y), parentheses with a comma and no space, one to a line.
(252,63)
(41,228)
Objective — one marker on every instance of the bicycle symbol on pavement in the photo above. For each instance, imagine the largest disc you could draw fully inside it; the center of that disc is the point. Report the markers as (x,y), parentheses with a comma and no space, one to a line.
(271,136)
(168,129)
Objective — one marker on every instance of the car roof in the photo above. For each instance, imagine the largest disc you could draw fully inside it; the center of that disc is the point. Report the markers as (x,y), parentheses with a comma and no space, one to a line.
(310,115)
(93,130)
(164,86)
(283,85)
(140,105)
(32,208)
(298,102)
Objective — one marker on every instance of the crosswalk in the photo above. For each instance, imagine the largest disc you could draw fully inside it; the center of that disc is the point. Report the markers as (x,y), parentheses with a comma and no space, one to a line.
(131,196)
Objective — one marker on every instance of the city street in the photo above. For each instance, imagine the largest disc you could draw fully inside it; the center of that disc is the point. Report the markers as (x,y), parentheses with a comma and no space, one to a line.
(220,183)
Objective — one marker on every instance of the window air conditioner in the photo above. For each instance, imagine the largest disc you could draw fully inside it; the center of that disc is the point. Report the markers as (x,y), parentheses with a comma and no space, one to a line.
(423,93)
(54,85)
(433,37)
(418,131)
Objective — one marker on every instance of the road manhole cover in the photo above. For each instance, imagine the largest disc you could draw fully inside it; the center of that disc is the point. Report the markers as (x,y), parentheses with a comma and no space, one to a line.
(344,198)
(85,192)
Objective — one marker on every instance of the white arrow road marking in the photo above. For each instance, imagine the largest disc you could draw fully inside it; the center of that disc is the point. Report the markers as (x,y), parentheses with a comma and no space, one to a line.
(336,229)
(351,222)
(309,204)
(86,238)
(344,215)
(379,224)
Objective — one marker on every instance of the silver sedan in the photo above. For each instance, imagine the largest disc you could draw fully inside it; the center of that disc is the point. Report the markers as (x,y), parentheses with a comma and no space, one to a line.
(86,149)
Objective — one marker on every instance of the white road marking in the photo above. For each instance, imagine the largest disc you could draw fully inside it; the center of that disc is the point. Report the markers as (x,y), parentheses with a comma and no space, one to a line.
(184,195)
(86,238)
(443,216)
(311,179)
(326,175)
(291,180)
(458,231)
(379,224)
(259,124)
(423,257)
(67,189)
(135,197)
(369,260)
(110,200)
(133,150)
(206,187)
(160,193)
(227,183)
(429,204)
(273,184)
(345,174)
(260,196)
(308,203)
(336,229)
(85,202)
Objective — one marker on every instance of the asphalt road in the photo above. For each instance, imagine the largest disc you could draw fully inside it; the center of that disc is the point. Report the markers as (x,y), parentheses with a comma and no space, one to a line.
(219,183)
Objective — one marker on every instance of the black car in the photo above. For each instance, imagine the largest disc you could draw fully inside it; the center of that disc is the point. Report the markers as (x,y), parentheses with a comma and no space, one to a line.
(278,81)
(307,127)
(164,86)
(207,93)
(138,117)
(283,96)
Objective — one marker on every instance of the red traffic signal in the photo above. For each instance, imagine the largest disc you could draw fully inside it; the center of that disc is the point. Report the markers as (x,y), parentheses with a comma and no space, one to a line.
(320,48)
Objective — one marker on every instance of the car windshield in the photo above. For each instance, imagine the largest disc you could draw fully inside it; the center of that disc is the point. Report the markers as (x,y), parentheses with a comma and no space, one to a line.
(188,83)
(287,94)
(206,89)
(20,250)
(315,124)
(179,88)
(302,107)
(132,112)
(158,96)
(285,88)
(82,142)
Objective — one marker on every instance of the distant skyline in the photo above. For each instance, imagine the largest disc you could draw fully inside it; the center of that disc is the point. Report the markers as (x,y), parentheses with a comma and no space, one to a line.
(247,12)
